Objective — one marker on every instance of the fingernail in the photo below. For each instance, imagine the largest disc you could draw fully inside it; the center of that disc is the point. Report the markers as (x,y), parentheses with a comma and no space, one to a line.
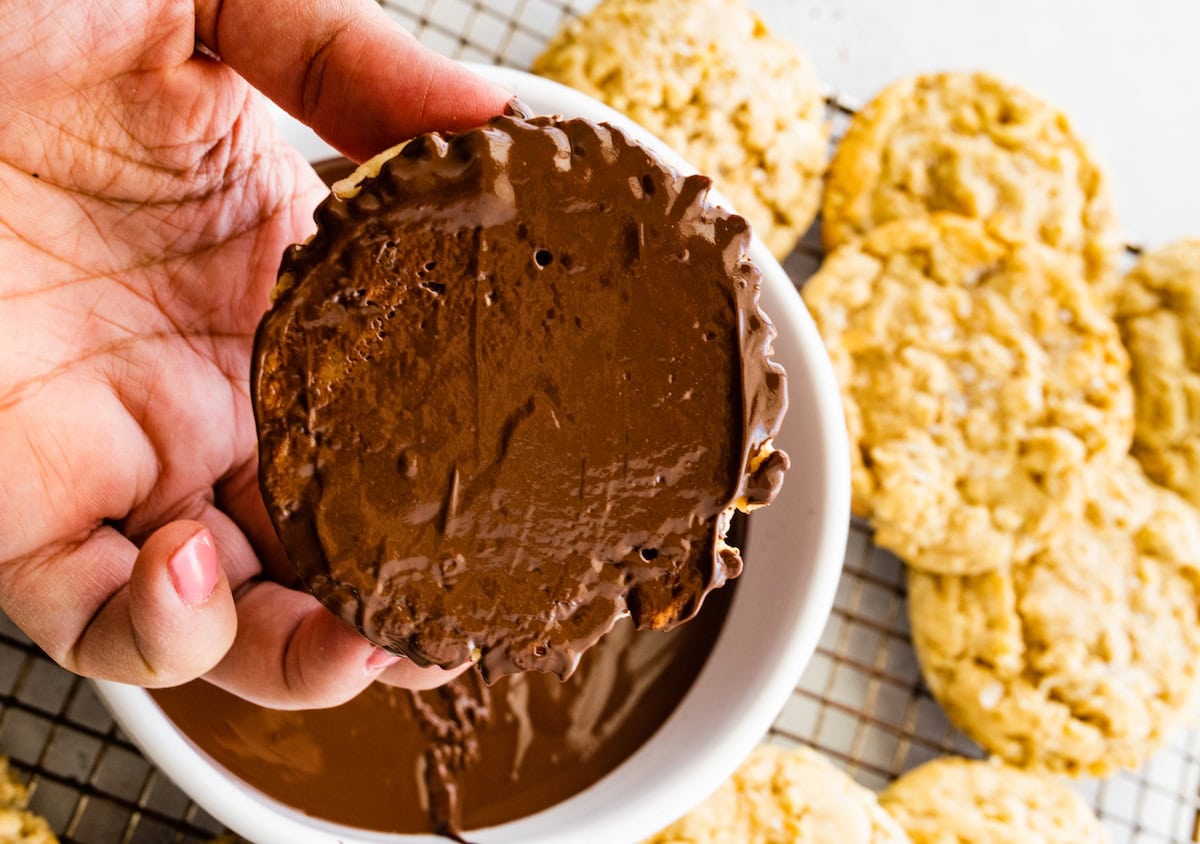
(380,659)
(193,568)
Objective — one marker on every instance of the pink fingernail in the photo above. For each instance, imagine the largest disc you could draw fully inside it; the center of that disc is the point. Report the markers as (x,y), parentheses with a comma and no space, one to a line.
(381,659)
(194,569)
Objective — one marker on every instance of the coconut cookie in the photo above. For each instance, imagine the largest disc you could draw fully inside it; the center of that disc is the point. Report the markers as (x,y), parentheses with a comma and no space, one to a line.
(972,144)
(1158,311)
(966,801)
(18,826)
(786,797)
(13,792)
(1080,659)
(977,376)
(709,78)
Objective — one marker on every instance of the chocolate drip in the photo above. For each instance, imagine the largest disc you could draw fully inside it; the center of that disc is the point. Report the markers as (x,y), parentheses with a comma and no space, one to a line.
(450,718)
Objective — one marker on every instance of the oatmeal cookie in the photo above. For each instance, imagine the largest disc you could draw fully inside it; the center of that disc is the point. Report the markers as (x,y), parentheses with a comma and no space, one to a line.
(1082,658)
(1158,310)
(978,376)
(13,793)
(972,144)
(18,826)
(786,797)
(709,78)
(964,801)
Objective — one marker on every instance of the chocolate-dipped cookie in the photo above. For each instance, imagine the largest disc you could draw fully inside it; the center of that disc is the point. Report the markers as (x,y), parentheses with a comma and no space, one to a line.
(513,389)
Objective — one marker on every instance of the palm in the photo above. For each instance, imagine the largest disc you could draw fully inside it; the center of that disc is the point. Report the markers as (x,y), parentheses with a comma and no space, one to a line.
(145,200)
(150,285)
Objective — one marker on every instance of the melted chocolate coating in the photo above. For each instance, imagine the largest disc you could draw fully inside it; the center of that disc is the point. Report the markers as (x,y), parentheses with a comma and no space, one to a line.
(461,757)
(514,388)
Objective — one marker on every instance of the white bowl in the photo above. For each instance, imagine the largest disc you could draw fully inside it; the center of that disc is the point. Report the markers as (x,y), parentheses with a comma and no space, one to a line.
(793,560)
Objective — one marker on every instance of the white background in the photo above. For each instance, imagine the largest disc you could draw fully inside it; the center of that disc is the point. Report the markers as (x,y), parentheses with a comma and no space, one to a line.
(1127,73)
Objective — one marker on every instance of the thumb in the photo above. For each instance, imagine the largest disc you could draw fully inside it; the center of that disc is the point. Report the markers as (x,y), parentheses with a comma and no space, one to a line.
(182,617)
(346,69)
(158,616)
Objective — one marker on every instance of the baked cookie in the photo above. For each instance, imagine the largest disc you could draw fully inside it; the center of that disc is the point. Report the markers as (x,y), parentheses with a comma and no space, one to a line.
(966,801)
(786,797)
(1080,659)
(18,826)
(709,78)
(978,375)
(1158,310)
(972,144)
(13,793)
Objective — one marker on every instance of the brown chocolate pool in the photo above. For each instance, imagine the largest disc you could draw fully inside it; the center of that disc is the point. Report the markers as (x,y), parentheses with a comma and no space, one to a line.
(399,761)
(465,756)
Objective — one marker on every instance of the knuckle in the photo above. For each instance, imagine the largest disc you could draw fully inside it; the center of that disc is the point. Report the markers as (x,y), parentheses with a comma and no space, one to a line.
(315,63)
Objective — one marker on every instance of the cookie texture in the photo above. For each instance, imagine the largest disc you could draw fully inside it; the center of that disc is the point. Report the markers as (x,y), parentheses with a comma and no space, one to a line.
(1080,659)
(12,791)
(972,144)
(1158,310)
(709,78)
(786,797)
(18,826)
(978,375)
(966,801)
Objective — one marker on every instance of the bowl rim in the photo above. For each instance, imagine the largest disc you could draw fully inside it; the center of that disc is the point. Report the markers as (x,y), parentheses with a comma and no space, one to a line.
(764,688)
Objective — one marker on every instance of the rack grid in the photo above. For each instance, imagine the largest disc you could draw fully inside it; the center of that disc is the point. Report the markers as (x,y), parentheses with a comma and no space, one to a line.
(861,700)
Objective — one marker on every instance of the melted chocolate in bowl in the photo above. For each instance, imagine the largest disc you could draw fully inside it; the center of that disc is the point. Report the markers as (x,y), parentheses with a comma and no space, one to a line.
(471,755)
(462,757)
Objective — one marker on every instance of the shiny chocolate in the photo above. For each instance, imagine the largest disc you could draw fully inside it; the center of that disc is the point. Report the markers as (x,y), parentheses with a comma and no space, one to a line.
(514,389)
(461,757)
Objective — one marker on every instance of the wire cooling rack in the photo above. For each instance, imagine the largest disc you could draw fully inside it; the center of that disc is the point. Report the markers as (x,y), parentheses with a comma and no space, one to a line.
(861,700)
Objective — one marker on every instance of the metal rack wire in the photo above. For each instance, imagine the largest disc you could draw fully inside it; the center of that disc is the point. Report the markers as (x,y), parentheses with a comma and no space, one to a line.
(86,778)
(861,700)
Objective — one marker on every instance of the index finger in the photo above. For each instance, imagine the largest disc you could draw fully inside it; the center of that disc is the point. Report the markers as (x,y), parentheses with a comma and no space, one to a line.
(346,69)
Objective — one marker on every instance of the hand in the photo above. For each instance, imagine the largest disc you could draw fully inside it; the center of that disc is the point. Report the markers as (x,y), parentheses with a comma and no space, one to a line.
(145,200)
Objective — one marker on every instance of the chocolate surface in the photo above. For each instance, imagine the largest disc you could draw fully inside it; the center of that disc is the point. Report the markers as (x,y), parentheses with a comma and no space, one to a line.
(513,388)
(464,756)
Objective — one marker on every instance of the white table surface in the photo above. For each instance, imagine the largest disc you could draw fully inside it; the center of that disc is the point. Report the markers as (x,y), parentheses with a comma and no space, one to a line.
(1127,73)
